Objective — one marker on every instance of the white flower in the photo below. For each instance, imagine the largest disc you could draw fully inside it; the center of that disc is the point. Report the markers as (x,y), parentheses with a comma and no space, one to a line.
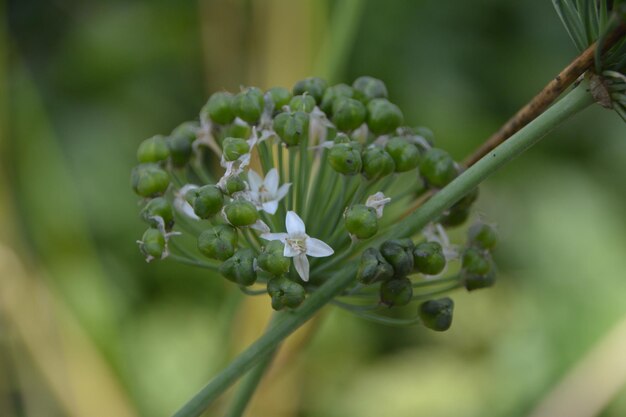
(181,204)
(298,244)
(377,202)
(265,193)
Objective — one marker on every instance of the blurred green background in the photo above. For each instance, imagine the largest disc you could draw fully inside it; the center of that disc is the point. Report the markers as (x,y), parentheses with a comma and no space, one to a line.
(87,328)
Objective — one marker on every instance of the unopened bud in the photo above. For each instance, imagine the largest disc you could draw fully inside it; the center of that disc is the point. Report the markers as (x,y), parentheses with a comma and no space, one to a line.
(248,104)
(233,148)
(333,93)
(483,236)
(239,268)
(304,103)
(345,158)
(207,201)
(158,207)
(241,213)
(370,88)
(405,155)
(149,180)
(437,314)
(218,242)
(397,292)
(285,293)
(383,117)
(399,255)
(373,267)
(429,258)
(153,149)
(272,260)
(361,221)
(280,97)
(313,86)
(220,108)
(377,163)
(291,127)
(348,114)
(438,167)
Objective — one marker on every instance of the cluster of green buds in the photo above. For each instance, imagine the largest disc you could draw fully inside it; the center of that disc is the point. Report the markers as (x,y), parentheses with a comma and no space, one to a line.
(283,187)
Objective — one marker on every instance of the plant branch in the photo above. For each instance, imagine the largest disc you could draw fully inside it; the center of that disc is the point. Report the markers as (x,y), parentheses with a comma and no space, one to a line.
(288,322)
(547,96)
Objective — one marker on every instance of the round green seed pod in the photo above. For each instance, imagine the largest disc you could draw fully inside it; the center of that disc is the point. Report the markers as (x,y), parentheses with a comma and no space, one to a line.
(187,130)
(280,97)
(158,207)
(220,108)
(437,314)
(377,163)
(239,268)
(361,221)
(285,293)
(397,292)
(272,260)
(313,86)
(241,213)
(455,216)
(399,256)
(304,103)
(152,243)
(154,149)
(345,158)
(234,185)
(249,104)
(383,117)
(370,88)
(292,127)
(218,242)
(476,261)
(207,201)
(233,148)
(348,113)
(180,143)
(333,93)
(438,167)
(238,129)
(475,282)
(373,267)
(149,180)
(428,258)
(483,236)
(405,155)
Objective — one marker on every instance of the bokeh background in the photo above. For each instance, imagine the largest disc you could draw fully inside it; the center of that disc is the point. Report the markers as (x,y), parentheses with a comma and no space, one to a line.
(87,328)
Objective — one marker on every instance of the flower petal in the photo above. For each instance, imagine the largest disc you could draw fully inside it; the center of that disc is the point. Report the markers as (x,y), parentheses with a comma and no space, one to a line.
(271,181)
(270,206)
(317,249)
(294,224)
(254,180)
(282,191)
(260,226)
(302,266)
(290,251)
(274,236)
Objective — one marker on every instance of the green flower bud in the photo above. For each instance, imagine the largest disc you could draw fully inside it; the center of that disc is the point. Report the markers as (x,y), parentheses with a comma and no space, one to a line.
(249,104)
(239,268)
(235,184)
(370,88)
(220,108)
(280,96)
(153,149)
(152,244)
(377,163)
(158,207)
(475,282)
(428,258)
(292,127)
(333,93)
(187,130)
(455,216)
(373,267)
(233,148)
(180,141)
(383,117)
(313,86)
(149,180)
(272,260)
(218,242)
(345,158)
(483,236)
(239,129)
(241,213)
(399,255)
(476,261)
(304,103)
(405,155)
(438,167)
(437,314)
(206,201)
(348,113)
(397,292)
(361,221)
(285,293)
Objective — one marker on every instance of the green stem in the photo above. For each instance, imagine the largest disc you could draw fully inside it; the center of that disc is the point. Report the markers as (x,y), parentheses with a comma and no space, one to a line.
(249,385)
(288,322)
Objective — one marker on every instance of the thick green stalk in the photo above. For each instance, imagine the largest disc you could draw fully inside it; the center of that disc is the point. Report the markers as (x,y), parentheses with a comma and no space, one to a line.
(572,103)
(288,322)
